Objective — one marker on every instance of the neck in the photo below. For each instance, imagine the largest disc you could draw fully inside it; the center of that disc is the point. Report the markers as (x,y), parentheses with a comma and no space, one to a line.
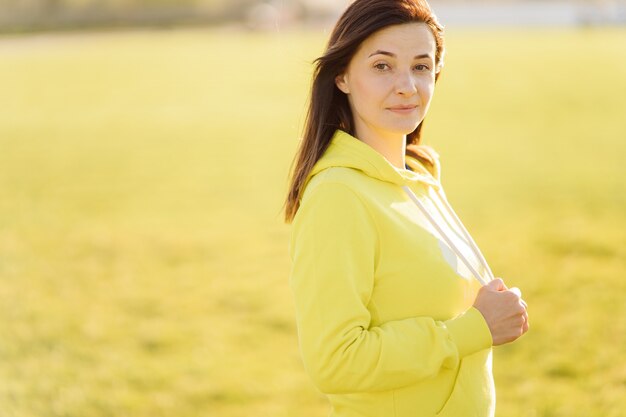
(392,147)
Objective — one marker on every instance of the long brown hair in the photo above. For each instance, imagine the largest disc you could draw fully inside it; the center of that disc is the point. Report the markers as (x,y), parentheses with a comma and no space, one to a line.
(329,109)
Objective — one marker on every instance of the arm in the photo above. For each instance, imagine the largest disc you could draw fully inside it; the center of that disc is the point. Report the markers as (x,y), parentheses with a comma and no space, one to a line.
(334,253)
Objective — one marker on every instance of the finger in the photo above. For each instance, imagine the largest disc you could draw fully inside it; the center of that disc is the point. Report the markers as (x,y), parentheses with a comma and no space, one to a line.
(497,284)
(503,286)
(525,316)
(516,291)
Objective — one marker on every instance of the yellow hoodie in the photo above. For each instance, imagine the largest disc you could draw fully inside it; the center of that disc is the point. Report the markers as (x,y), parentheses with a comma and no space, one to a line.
(384,313)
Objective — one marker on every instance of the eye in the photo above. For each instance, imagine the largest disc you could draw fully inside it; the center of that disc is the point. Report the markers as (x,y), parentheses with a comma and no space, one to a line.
(422,67)
(381,66)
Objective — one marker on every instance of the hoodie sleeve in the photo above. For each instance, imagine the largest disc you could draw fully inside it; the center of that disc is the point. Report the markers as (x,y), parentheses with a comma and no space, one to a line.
(334,247)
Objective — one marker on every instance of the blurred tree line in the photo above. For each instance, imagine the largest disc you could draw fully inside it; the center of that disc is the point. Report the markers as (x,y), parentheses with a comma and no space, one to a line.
(33,15)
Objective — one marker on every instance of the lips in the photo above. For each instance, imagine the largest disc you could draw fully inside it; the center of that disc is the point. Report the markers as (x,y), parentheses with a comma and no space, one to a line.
(402,108)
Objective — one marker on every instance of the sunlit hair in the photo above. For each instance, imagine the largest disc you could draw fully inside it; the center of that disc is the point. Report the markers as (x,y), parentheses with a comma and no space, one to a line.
(329,108)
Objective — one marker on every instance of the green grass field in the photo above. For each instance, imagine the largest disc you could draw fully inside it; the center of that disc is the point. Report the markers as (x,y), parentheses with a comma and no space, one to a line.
(143,256)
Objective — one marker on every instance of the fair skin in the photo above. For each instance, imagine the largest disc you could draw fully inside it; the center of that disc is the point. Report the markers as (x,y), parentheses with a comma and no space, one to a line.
(389,83)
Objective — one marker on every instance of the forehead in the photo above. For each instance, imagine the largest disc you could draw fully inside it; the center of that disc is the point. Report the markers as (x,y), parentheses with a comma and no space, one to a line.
(409,38)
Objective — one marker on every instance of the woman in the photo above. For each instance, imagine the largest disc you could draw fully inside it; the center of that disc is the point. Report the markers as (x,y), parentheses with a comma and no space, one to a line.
(392,318)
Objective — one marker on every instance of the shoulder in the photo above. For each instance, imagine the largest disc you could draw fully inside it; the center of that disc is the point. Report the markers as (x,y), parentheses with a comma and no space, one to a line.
(336,194)
(333,214)
(342,180)
(332,206)
(345,175)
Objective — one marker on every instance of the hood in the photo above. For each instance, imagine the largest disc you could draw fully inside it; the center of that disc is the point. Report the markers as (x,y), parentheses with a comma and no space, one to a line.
(344,150)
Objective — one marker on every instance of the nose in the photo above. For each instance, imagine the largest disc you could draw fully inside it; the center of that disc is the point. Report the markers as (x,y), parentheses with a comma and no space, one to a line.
(405,84)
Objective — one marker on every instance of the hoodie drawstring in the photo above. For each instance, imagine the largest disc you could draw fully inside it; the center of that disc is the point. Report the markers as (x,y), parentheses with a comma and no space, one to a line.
(447,239)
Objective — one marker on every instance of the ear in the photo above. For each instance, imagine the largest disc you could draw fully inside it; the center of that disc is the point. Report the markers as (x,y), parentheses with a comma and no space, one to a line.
(341,83)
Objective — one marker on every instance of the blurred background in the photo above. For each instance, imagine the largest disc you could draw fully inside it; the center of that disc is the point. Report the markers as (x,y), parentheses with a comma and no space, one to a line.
(145,148)
(28,15)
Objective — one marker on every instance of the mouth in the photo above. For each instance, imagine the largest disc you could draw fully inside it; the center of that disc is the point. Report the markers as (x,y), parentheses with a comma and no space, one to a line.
(402,109)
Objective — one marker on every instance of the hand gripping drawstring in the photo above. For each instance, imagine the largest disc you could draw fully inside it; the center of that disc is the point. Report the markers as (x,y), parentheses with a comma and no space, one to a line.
(447,239)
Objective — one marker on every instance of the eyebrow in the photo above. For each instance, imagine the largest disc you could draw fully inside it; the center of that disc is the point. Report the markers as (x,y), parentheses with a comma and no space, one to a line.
(391,54)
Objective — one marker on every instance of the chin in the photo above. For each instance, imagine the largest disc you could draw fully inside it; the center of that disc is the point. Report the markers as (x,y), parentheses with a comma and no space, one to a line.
(404,129)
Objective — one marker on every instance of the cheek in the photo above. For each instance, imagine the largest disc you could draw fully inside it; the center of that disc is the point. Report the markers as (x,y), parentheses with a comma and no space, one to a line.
(427,88)
(368,92)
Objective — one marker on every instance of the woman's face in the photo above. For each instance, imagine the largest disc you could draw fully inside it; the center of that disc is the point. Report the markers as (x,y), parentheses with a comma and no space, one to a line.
(390,80)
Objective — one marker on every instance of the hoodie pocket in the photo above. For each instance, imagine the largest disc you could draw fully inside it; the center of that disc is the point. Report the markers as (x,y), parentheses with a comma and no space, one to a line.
(456,399)
(474,390)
